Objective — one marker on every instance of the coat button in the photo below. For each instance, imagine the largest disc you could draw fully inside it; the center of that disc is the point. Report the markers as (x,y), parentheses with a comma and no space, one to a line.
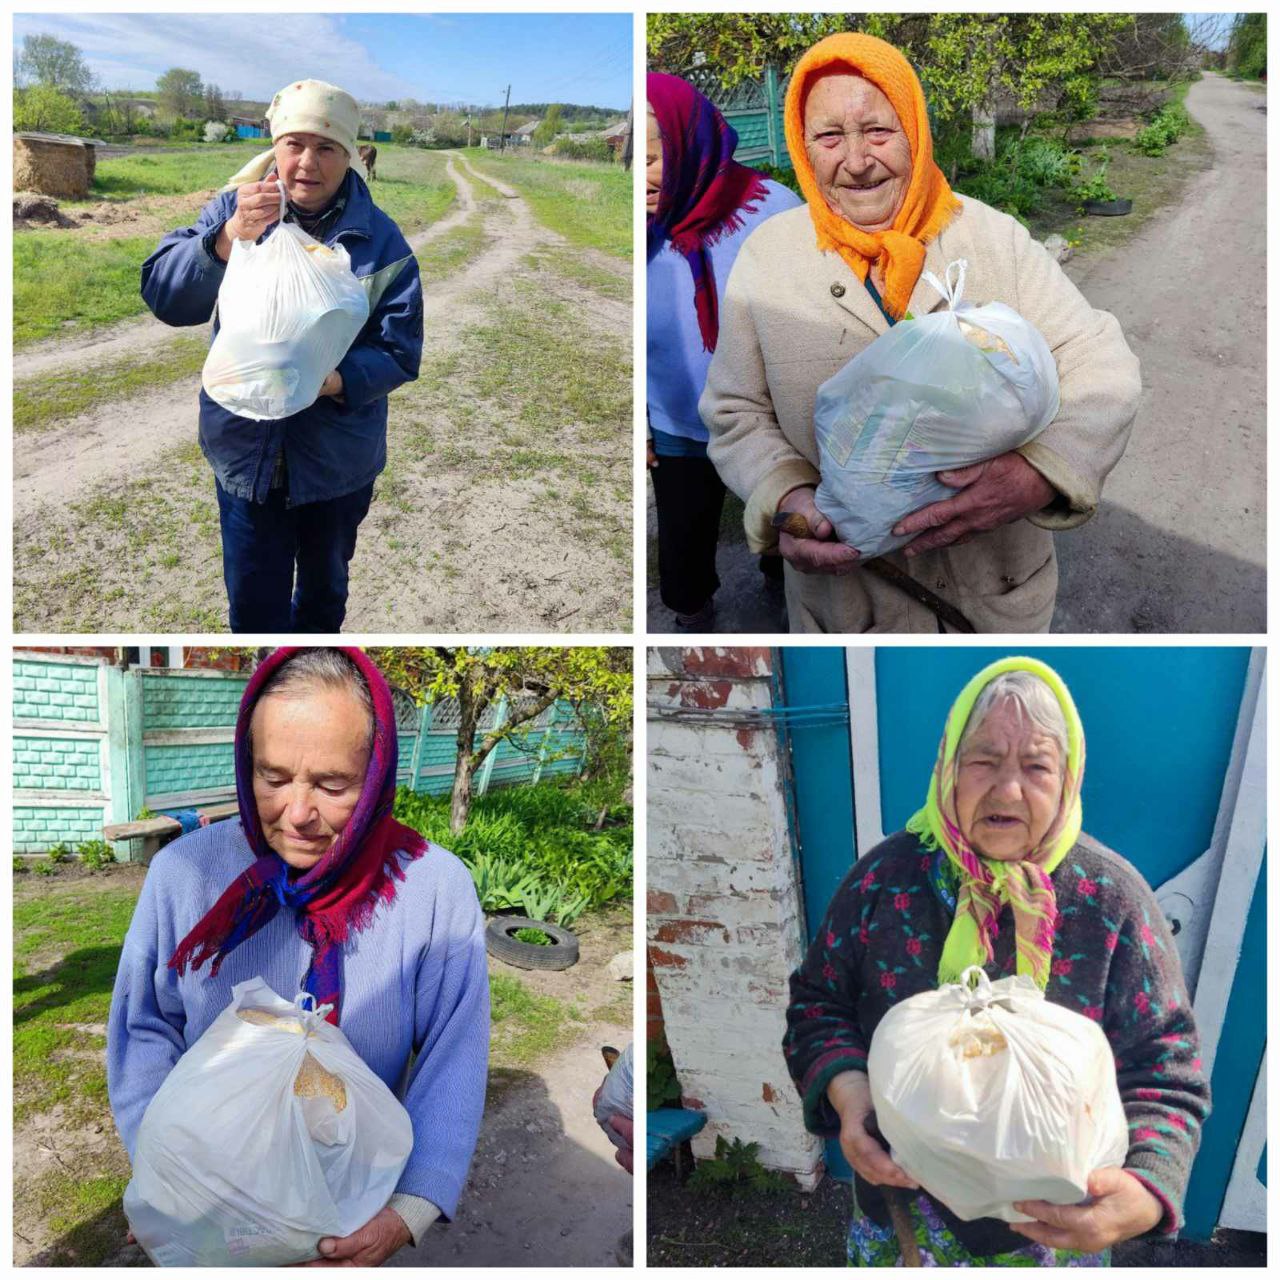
(837,291)
(942,586)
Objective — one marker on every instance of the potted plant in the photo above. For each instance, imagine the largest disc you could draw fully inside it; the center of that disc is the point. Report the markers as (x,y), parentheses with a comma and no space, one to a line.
(1095,197)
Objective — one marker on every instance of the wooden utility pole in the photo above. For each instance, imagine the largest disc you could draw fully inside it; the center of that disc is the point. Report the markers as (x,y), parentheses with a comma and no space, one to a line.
(502,137)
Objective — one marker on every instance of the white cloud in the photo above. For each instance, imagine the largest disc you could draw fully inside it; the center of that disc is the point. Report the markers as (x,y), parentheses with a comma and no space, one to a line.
(255,53)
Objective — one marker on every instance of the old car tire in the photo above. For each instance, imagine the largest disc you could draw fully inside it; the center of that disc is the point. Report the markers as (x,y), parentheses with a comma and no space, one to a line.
(526,955)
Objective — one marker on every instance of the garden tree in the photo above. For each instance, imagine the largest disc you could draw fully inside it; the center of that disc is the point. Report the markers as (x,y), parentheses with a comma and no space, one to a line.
(180,92)
(56,64)
(42,109)
(1247,47)
(215,107)
(595,681)
(1150,46)
(548,127)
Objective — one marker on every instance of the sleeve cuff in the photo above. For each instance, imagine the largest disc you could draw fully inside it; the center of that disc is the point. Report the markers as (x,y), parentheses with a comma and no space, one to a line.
(208,259)
(762,506)
(819,1115)
(418,1214)
(1171,1219)
(1078,498)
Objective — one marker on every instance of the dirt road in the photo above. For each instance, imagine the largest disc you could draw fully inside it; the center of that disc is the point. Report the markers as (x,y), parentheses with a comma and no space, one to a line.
(1179,542)
(114,522)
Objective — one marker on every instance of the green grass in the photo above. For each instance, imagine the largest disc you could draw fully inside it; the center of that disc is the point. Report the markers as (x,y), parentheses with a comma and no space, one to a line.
(66,948)
(572,266)
(589,204)
(450,252)
(56,397)
(525,1026)
(66,280)
(62,283)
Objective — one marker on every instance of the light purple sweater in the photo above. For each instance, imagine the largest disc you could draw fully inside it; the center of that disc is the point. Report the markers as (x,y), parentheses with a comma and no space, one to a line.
(415,983)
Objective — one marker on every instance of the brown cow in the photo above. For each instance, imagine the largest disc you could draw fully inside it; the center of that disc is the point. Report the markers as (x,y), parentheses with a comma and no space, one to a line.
(369,154)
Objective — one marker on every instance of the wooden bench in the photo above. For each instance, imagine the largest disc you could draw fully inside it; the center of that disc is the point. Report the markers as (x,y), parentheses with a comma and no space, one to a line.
(667,1132)
(157,831)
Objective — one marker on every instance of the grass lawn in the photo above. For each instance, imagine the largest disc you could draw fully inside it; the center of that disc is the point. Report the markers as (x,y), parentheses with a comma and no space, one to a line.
(588,204)
(75,279)
(56,397)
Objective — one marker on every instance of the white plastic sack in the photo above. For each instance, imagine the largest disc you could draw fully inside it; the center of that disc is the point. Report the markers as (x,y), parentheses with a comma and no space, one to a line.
(288,311)
(994,1094)
(616,1096)
(234,1168)
(946,390)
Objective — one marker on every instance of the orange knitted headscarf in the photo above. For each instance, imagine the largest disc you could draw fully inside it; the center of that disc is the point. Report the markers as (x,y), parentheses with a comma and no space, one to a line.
(930,203)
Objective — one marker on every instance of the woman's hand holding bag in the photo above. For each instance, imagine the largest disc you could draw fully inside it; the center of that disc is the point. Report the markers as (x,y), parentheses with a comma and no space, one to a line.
(1120,1208)
(850,1094)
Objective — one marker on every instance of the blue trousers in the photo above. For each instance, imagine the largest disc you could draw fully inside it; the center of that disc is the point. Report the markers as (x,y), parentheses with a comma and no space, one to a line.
(286,568)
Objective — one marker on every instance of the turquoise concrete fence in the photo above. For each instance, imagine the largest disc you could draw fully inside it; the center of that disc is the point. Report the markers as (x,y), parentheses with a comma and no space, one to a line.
(94,745)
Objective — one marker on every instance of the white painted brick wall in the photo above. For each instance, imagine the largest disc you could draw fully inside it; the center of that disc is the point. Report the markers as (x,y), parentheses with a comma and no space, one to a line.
(725,919)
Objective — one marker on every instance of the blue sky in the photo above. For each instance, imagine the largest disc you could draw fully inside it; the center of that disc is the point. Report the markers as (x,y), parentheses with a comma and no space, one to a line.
(547,57)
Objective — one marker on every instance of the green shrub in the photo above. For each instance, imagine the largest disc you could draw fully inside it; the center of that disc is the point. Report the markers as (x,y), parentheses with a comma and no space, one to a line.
(19,864)
(45,868)
(534,937)
(96,854)
(1166,127)
(1023,172)
(734,1164)
(584,149)
(60,853)
(660,1074)
(43,109)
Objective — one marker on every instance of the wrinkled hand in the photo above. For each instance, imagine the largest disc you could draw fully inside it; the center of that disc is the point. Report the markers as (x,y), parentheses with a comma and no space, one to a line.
(1122,1208)
(332,385)
(821,553)
(650,458)
(371,1246)
(992,493)
(257,208)
(625,1129)
(850,1095)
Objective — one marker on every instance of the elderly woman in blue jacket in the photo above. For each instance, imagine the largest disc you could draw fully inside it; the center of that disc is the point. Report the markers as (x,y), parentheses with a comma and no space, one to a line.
(292,492)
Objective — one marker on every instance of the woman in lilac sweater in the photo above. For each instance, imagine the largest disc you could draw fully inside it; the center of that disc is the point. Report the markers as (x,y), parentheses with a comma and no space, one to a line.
(317,888)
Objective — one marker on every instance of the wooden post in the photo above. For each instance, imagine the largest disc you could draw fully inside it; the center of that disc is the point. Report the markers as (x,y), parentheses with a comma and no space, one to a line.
(482,782)
(502,137)
(419,746)
(545,744)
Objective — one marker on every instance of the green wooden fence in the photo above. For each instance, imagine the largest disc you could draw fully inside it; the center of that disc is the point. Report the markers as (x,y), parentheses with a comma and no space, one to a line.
(95,745)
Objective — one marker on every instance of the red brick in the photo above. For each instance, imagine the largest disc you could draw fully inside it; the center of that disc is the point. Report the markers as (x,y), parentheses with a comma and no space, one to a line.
(767,1093)
(661,903)
(694,1104)
(666,959)
(740,661)
(689,931)
(706,695)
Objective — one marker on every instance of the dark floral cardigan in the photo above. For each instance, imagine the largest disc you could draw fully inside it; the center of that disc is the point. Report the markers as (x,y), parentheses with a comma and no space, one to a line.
(1114,961)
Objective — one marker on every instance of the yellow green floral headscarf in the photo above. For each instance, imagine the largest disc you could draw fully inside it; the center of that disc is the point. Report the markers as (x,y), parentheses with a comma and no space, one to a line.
(986,883)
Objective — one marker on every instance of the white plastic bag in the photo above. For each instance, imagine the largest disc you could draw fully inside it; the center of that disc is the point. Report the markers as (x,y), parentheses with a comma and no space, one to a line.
(991,1094)
(943,391)
(616,1096)
(288,311)
(234,1168)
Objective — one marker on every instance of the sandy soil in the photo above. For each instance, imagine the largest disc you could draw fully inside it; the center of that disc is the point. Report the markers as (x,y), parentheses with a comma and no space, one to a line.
(1179,543)
(499,578)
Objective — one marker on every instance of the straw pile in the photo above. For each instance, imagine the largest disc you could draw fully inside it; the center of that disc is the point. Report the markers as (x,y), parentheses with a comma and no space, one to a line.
(52,165)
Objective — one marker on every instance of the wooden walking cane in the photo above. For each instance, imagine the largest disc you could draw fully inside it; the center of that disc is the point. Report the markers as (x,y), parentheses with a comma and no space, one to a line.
(797,526)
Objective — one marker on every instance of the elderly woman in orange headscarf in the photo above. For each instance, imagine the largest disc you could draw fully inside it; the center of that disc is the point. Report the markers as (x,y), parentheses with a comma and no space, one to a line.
(815,285)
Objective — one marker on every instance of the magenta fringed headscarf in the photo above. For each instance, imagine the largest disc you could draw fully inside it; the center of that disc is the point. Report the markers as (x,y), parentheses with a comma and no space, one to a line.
(339,895)
(704,190)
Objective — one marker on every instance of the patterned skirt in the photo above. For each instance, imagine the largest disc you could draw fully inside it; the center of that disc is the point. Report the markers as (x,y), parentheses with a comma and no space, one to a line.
(871,1245)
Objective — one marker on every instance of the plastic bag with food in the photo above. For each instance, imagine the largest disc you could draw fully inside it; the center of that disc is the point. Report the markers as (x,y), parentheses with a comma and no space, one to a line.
(988,1093)
(269,1133)
(288,311)
(616,1096)
(941,391)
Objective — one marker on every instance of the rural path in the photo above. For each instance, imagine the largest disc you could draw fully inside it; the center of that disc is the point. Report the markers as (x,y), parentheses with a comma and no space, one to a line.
(1179,542)
(544,1188)
(101,451)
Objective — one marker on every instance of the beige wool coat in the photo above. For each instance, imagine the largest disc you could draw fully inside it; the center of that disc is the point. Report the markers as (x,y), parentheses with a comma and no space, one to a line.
(791,317)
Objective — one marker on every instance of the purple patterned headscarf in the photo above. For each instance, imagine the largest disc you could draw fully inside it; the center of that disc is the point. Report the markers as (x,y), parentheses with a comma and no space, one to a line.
(338,896)
(704,191)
